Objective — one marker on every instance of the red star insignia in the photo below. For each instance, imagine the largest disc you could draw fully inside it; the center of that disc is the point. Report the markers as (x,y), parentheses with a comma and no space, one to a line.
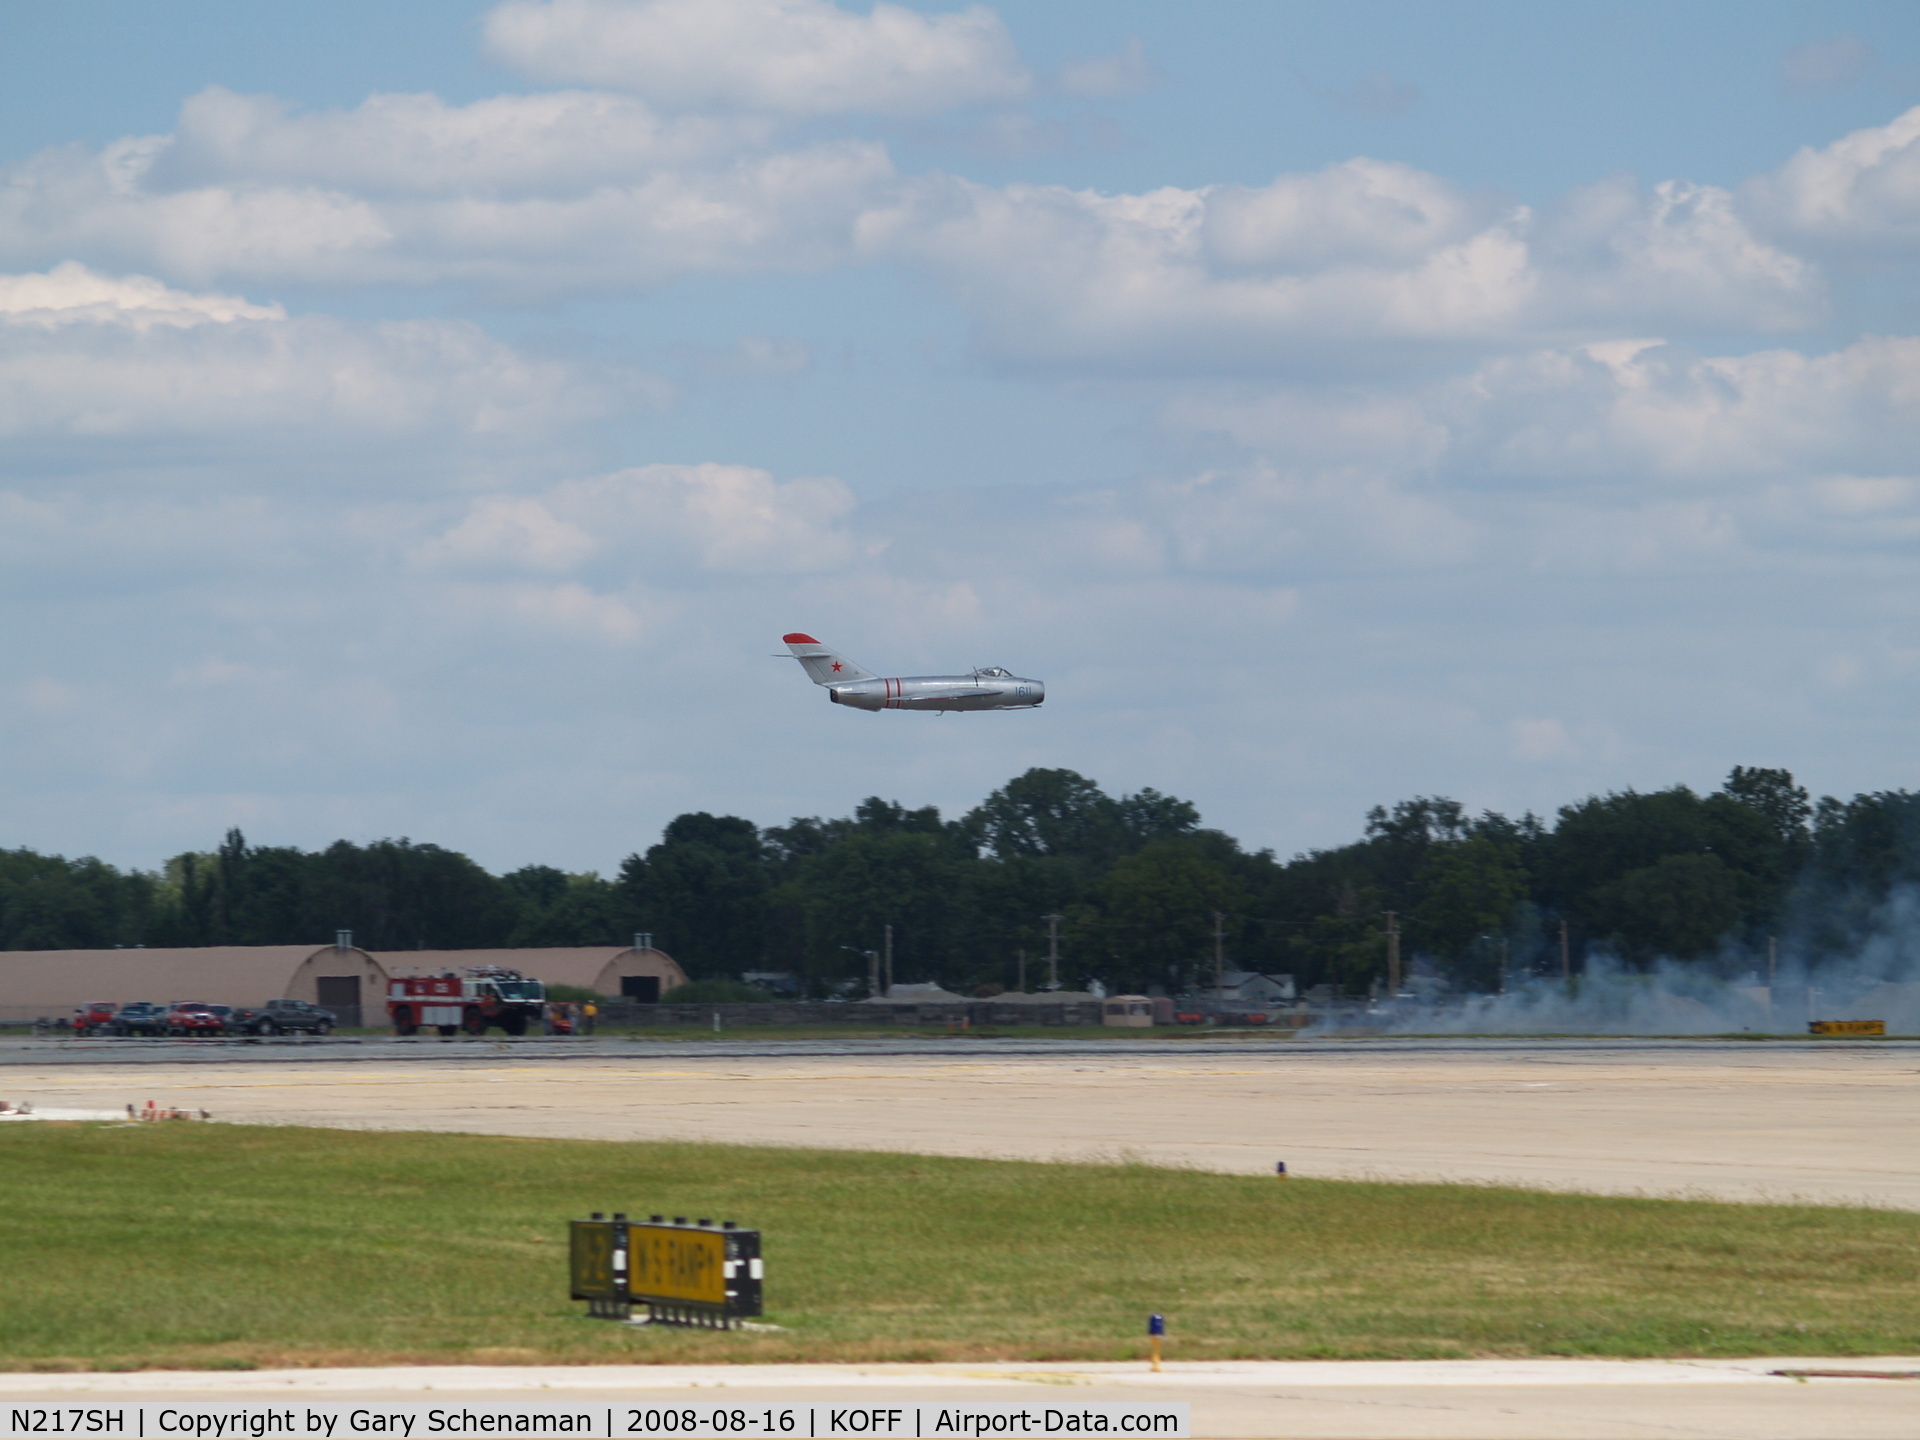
(836,667)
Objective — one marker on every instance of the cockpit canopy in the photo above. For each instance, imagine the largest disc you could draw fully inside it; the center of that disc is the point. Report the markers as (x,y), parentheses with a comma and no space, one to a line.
(995,672)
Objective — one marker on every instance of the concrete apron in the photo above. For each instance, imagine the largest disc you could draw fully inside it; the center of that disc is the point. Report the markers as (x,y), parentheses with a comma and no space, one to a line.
(1333,1400)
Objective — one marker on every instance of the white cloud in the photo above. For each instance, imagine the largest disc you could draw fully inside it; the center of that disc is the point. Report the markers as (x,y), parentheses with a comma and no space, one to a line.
(409,146)
(1361,259)
(502,531)
(1862,192)
(85,355)
(71,294)
(724,518)
(1359,212)
(1710,420)
(1638,417)
(793,57)
(529,196)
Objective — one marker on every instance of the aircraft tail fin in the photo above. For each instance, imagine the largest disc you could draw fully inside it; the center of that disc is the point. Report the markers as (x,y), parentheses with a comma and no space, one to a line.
(823,666)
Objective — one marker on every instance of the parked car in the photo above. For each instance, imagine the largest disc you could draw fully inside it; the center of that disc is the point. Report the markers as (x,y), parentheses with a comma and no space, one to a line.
(94,1018)
(142,1017)
(278,1017)
(187,1018)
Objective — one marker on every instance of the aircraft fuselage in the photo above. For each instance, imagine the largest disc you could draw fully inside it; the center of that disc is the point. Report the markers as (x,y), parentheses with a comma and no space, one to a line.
(984,691)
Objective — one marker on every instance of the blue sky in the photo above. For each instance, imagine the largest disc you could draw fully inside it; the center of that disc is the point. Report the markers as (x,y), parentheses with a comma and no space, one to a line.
(424,420)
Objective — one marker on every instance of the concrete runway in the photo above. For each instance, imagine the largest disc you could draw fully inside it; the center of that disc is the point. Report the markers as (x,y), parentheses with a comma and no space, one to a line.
(1773,1121)
(1350,1400)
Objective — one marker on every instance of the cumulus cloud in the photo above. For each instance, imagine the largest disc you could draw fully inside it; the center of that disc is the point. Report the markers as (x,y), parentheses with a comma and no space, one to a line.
(91,356)
(71,294)
(1714,420)
(1359,257)
(1637,416)
(722,518)
(1861,193)
(555,143)
(529,196)
(784,210)
(789,57)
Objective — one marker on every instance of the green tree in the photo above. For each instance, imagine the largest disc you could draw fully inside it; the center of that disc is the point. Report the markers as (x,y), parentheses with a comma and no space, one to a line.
(702,892)
(48,902)
(1155,914)
(1472,888)
(561,909)
(1680,906)
(912,880)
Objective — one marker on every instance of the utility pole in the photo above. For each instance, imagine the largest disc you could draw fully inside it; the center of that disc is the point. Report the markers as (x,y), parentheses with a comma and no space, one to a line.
(889,963)
(1053,950)
(1393,955)
(1566,955)
(1219,956)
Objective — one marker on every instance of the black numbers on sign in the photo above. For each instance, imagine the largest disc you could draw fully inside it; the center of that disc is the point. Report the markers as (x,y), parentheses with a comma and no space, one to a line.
(781,1420)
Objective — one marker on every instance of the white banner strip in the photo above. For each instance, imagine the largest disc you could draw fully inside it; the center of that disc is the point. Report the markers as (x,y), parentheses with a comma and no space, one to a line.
(555,1420)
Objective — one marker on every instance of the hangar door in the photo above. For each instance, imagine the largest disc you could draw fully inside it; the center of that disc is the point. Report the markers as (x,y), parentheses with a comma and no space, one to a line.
(340,994)
(644,988)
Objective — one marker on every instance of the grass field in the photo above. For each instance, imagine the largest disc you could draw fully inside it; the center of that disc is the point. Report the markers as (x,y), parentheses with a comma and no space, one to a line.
(239,1246)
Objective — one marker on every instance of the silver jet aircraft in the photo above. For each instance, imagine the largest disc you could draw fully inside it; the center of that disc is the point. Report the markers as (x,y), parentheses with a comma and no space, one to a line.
(848,684)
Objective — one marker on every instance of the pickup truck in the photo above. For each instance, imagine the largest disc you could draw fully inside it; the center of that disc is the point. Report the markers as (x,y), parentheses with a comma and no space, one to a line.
(142,1017)
(277,1017)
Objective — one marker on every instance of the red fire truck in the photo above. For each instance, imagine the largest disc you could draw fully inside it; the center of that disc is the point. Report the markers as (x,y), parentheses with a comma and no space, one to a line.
(473,1000)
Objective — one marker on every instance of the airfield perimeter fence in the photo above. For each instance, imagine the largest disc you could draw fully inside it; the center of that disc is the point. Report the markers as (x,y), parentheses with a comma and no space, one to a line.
(974,1015)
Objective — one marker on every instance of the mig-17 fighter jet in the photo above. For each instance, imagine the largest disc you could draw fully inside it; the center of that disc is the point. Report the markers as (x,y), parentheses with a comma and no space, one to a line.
(848,684)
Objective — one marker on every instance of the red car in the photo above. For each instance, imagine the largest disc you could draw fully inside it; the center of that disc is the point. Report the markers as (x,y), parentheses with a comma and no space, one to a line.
(194,1017)
(94,1018)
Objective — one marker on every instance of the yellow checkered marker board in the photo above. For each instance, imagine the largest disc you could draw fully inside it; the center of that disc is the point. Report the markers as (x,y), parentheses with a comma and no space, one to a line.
(684,1273)
(1847,1027)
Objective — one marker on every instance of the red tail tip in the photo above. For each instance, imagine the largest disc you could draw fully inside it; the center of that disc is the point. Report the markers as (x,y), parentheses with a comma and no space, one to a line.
(799,639)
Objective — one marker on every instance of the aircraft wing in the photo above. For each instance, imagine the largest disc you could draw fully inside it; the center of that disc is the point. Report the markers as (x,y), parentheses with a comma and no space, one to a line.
(956,695)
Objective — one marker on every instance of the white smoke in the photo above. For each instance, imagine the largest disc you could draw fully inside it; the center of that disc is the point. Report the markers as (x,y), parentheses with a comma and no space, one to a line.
(1872,974)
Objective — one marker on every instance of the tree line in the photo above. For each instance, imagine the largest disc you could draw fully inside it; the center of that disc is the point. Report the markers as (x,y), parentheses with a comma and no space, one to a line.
(1142,889)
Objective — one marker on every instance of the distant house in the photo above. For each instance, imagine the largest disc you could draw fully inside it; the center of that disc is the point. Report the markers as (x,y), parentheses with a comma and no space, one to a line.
(1252,987)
